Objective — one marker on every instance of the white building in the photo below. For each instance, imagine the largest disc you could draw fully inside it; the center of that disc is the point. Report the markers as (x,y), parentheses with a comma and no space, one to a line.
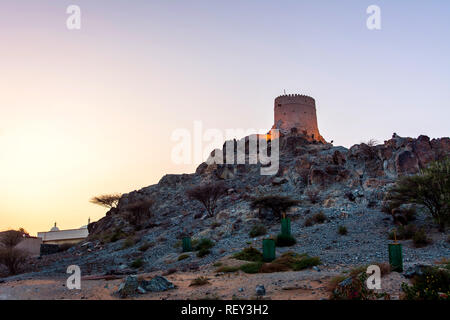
(56,236)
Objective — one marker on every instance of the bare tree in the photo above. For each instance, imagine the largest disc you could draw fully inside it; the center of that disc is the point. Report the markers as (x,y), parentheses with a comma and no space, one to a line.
(10,256)
(107,200)
(208,194)
(277,204)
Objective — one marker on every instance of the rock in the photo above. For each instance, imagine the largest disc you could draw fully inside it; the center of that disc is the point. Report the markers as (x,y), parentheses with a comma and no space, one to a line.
(141,290)
(279,181)
(416,270)
(406,163)
(241,289)
(157,284)
(316,268)
(128,287)
(345,282)
(260,290)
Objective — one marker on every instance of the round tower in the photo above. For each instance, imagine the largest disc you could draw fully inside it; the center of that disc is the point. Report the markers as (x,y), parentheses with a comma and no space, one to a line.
(296,112)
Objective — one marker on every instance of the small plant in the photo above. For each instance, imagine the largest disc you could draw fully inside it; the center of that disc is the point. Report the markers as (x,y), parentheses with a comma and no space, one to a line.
(183,256)
(342,230)
(137,263)
(129,242)
(403,232)
(278,205)
(432,284)
(145,246)
(253,267)
(217,264)
(306,262)
(208,195)
(215,225)
(320,217)
(308,222)
(249,254)
(420,239)
(227,269)
(200,281)
(204,244)
(203,252)
(284,240)
(257,230)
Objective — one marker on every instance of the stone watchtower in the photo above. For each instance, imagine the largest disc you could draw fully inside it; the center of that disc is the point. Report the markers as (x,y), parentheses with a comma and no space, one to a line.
(296,113)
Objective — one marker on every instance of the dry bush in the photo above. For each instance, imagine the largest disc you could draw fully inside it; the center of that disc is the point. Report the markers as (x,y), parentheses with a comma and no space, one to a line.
(277,204)
(138,213)
(208,195)
(11,257)
(107,200)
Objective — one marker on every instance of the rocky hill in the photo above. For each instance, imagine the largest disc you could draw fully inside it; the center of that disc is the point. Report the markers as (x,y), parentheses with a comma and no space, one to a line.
(335,186)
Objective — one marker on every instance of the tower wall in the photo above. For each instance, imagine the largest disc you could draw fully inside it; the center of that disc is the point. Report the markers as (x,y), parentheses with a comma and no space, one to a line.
(296,111)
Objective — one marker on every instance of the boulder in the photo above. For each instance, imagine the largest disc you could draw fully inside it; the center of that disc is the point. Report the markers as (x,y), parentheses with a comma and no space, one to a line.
(128,287)
(157,284)
(406,163)
(260,290)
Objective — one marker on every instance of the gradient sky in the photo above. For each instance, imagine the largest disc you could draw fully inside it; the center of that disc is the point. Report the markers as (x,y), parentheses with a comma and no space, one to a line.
(92,111)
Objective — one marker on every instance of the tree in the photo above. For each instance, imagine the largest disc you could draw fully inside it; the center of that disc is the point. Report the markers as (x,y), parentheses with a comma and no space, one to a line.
(430,188)
(208,195)
(10,256)
(277,204)
(107,200)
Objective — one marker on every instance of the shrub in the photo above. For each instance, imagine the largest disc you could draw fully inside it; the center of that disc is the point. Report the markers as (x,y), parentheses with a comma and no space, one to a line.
(137,263)
(432,284)
(215,224)
(204,244)
(138,213)
(342,230)
(277,204)
(249,254)
(430,188)
(403,232)
(420,238)
(200,281)
(203,252)
(227,269)
(253,267)
(313,194)
(115,236)
(284,240)
(257,230)
(11,257)
(107,200)
(129,242)
(309,222)
(208,195)
(306,262)
(145,246)
(320,217)
(183,256)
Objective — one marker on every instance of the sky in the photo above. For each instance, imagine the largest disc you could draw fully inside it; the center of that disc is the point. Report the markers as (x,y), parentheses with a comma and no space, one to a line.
(92,111)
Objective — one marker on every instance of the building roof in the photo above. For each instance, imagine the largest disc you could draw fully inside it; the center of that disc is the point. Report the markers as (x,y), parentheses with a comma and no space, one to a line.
(63,234)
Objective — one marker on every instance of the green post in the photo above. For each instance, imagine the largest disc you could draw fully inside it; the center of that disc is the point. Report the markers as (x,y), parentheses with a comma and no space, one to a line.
(187,244)
(286,226)
(268,250)
(396,257)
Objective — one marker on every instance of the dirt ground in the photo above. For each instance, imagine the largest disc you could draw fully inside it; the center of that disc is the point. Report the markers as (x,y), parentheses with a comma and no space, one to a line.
(301,285)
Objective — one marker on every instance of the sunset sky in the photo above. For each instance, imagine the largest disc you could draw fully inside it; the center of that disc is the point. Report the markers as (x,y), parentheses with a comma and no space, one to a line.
(92,111)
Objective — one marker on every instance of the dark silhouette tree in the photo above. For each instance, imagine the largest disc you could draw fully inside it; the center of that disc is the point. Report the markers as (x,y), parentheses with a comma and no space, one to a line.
(208,195)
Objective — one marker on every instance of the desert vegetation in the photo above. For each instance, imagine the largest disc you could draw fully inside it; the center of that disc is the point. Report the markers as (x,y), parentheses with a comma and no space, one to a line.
(277,204)
(10,256)
(107,200)
(208,195)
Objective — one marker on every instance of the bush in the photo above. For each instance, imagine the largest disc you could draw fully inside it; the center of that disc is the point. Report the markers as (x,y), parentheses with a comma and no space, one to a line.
(204,244)
(284,240)
(290,261)
(432,284)
(208,195)
(138,213)
(129,242)
(203,252)
(11,257)
(137,263)
(227,269)
(430,188)
(107,200)
(249,254)
(352,288)
(320,217)
(145,246)
(403,232)
(342,230)
(257,230)
(420,239)
(306,262)
(253,267)
(200,281)
(183,256)
(277,204)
